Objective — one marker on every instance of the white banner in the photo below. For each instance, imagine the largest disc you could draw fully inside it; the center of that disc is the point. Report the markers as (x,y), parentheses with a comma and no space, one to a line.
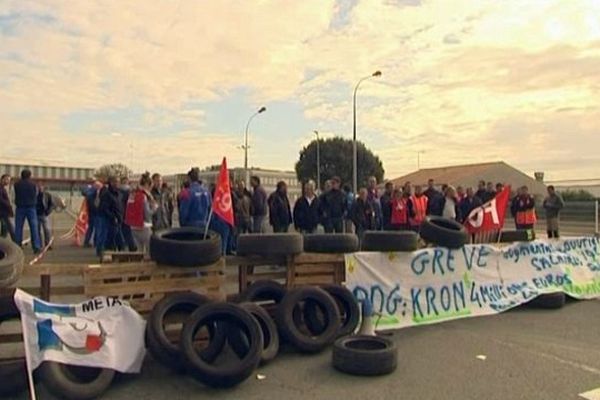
(438,284)
(102,332)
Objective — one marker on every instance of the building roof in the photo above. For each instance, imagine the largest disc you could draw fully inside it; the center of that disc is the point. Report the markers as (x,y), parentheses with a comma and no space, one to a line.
(471,174)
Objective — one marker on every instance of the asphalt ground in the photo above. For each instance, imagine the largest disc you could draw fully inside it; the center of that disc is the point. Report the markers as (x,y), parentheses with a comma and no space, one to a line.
(524,353)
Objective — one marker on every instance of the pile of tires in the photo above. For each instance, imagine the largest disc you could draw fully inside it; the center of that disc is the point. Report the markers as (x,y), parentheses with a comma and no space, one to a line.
(443,232)
(11,262)
(270,245)
(331,243)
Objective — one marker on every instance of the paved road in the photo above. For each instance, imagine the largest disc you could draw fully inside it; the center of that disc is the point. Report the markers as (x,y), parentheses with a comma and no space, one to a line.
(530,354)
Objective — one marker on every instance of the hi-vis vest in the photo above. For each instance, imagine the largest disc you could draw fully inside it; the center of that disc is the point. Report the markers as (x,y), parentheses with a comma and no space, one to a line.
(419,208)
(525,217)
(134,215)
(400,211)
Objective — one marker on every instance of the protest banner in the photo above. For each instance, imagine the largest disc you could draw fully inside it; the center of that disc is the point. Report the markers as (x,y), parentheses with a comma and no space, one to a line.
(439,284)
(102,332)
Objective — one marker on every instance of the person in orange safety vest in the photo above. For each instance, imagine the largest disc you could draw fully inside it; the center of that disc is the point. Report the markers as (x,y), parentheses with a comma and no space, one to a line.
(525,210)
(419,205)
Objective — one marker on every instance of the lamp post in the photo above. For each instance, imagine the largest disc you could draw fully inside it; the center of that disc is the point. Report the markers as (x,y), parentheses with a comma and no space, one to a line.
(354,153)
(245,146)
(318,163)
(419,158)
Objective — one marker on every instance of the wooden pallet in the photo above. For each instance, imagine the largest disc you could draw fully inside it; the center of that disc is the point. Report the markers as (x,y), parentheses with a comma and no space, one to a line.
(122,257)
(318,269)
(143,284)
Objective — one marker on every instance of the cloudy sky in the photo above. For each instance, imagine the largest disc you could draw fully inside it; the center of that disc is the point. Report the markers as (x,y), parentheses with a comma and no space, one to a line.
(163,85)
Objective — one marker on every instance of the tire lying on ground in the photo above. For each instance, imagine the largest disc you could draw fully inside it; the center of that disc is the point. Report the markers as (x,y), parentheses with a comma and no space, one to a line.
(365,355)
(269,331)
(13,373)
(11,262)
(161,347)
(263,290)
(389,241)
(222,373)
(517,236)
(275,244)
(347,307)
(73,382)
(185,247)
(548,301)
(443,232)
(303,339)
(331,243)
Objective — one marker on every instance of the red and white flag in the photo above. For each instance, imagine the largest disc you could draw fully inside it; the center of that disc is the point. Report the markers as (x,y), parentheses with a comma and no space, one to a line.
(490,216)
(222,203)
(82,223)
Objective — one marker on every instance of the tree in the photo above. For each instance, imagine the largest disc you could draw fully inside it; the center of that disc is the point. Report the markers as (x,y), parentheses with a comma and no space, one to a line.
(118,170)
(576,195)
(336,160)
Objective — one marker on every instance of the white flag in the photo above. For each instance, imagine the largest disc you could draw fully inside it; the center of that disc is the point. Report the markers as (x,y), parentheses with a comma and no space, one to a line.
(102,332)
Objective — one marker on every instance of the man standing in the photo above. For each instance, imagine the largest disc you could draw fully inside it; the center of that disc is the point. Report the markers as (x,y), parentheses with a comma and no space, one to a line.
(419,204)
(347,190)
(160,218)
(26,202)
(481,193)
(431,190)
(386,205)
(306,210)
(44,208)
(280,215)
(125,190)
(243,220)
(373,197)
(6,210)
(362,213)
(92,199)
(526,217)
(333,207)
(258,208)
(468,204)
(435,202)
(553,203)
(194,202)
(111,215)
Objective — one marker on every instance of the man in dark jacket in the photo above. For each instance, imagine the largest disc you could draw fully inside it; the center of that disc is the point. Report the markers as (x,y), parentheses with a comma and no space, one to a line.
(6,210)
(26,202)
(160,218)
(92,199)
(332,207)
(280,215)
(553,204)
(44,208)
(362,214)
(431,190)
(468,204)
(481,193)
(386,206)
(258,208)
(125,190)
(306,210)
(435,205)
(110,212)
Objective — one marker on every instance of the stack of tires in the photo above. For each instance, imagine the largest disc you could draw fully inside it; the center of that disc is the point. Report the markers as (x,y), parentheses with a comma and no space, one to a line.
(11,262)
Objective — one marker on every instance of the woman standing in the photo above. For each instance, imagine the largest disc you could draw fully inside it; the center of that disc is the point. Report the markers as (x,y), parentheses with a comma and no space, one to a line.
(140,208)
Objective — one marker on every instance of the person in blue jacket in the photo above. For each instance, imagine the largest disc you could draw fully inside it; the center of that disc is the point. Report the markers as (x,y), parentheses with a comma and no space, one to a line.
(194,202)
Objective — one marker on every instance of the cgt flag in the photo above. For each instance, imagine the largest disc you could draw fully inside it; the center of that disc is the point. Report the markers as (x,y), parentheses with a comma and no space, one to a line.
(222,204)
(102,332)
(490,216)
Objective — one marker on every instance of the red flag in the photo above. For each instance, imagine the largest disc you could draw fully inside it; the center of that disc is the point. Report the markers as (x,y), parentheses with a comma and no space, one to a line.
(82,223)
(222,204)
(490,216)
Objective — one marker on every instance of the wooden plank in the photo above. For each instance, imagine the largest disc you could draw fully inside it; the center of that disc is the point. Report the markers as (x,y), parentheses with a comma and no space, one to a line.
(122,256)
(54,291)
(11,338)
(166,285)
(254,260)
(149,268)
(290,272)
(267,275)
(318,258)
(53,269)
(308,269)
(313,280)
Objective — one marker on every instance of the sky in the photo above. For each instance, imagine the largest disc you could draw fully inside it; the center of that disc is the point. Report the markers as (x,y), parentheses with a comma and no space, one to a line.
(166,85)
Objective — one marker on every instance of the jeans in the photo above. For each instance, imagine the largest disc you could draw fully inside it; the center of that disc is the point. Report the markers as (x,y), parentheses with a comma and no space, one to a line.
(128,237)
(334,225)
(44,229)
(30,214)
(7,228)
(258,224)
(108,236)
(89,234)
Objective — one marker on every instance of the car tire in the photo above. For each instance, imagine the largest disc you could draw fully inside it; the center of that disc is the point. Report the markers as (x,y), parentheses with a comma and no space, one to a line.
(73,382)
(13,373)
(222,374)
(517,236)
(185,247)
(389,241)
(365,355)
(444,232)
(11,263)
(269,332)
(331,243)
(275,244)
(169,353)
(548,301)
(347,307)
(264,290)
(287,321)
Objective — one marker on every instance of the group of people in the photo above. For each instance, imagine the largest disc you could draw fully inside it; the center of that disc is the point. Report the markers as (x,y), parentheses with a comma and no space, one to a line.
(33,203)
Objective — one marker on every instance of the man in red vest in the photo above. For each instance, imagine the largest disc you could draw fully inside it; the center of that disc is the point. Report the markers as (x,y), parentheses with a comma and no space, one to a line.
(402,209)
(419,204)
(525,207)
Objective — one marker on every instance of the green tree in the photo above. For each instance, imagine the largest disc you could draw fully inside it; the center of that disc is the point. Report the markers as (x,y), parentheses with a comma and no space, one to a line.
(117,169)
(336,160)
(576,195)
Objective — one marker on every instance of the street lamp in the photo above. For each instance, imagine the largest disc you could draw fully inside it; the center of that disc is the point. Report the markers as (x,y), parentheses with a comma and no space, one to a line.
(318,164)
(245,146)
(354,153)
(419,158)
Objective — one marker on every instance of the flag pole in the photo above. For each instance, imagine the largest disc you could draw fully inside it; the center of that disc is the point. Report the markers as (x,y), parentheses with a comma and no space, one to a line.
(32,395)
(208,223)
